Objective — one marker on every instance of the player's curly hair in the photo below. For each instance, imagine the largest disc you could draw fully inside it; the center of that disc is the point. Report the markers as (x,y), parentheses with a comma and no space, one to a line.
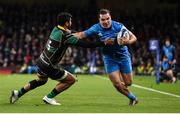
(63,17)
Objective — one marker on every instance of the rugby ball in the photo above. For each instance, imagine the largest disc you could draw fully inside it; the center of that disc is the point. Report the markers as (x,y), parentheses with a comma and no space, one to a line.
(124,33)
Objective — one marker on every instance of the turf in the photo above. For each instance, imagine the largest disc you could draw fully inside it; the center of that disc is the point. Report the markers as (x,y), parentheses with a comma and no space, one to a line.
(91,94)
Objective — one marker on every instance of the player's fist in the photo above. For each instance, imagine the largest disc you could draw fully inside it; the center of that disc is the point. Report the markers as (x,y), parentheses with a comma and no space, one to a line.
(123,41)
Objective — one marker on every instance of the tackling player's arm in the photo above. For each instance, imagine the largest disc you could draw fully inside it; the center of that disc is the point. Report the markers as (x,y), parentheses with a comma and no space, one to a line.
(87,44)
(73,40)
(87,33)
(80,35)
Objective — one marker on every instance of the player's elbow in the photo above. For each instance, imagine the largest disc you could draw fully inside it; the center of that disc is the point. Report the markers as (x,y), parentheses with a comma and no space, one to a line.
(133,39)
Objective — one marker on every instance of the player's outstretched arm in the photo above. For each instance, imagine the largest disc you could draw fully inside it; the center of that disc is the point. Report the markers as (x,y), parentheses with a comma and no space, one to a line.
(88,44)
(72,40)
(79,35)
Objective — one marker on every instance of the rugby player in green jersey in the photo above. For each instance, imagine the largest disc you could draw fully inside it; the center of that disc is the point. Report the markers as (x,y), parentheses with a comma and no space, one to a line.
(48,62)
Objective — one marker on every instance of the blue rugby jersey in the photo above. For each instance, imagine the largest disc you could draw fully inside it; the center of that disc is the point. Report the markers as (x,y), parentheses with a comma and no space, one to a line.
(168,52)
(114,50)
(165,65)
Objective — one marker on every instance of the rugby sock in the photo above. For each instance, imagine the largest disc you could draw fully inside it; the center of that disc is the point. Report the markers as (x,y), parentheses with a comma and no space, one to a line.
(131,96)
(22,91)
(53,93)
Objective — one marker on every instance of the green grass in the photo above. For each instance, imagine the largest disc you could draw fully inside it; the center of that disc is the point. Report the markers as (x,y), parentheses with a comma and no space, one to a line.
(89,95)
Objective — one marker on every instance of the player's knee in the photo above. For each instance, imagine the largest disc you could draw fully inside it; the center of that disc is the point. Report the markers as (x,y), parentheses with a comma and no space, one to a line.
(128,82)
(71,81)
(36,83)
(71,78)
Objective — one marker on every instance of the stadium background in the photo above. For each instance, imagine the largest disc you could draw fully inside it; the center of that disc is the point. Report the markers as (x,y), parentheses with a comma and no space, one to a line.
(25,27)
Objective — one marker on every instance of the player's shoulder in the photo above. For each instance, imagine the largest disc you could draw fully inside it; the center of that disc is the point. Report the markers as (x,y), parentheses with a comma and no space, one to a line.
(117,23)
(57,30)
(96,26)
(56,34)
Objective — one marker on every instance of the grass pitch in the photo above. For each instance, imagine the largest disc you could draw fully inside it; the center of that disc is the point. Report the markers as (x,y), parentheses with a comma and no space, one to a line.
(91,94)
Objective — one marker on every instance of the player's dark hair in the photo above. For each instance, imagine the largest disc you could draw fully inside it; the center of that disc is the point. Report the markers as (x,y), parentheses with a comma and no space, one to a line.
(103,11)
(63,17)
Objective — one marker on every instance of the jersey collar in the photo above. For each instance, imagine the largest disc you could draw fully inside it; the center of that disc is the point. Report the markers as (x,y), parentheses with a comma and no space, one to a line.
(60,27)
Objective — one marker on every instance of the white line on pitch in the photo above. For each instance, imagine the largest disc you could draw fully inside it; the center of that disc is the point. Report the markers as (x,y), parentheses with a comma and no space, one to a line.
(149,89)
(157,91)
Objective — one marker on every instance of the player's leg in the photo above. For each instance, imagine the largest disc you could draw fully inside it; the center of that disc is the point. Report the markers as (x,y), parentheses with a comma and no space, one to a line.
(112,68)
(128,81)
(121,87)
(126,72)
(65,80)
(117,83)
(170,74)
(16,94)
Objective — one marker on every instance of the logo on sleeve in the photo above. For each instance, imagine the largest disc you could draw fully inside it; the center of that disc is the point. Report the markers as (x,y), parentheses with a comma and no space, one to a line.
(100,34)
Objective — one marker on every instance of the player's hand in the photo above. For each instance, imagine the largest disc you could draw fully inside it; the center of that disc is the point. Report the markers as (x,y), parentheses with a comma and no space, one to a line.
(174,61)
(79,35)
(123,41)
(109,41)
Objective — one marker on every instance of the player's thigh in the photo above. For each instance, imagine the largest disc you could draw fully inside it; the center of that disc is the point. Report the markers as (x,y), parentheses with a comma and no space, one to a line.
(110,65)
(126,71)
(45,71)
(115,77)
(41,76)
(126,66)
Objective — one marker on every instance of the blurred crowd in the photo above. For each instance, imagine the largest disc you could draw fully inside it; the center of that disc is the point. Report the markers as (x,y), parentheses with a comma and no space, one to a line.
(24,31)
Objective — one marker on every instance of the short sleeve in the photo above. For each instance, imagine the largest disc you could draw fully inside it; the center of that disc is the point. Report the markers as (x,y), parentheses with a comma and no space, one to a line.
(56,35)
(91,31)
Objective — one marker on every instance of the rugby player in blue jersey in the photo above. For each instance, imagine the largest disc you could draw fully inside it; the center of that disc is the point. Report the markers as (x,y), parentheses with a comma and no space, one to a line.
(117,60)
(169,51)
(169,59)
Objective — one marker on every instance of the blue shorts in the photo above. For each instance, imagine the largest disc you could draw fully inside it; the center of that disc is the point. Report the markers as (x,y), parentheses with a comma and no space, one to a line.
(124,65)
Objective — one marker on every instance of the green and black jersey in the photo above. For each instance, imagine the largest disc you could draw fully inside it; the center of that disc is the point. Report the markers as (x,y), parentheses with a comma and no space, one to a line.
(58,43)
